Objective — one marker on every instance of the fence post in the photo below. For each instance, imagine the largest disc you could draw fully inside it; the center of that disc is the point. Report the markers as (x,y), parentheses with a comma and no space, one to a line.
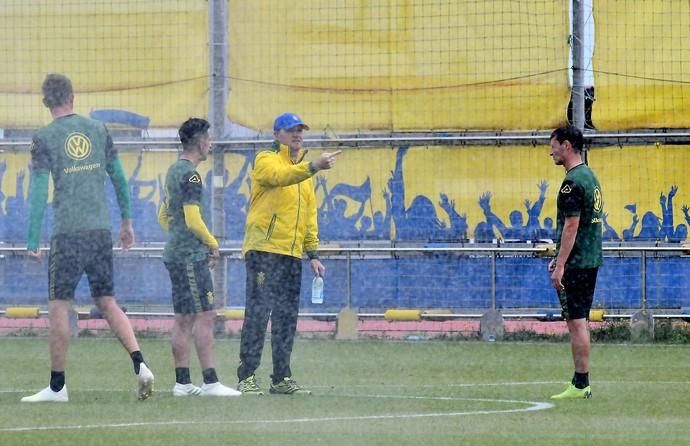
(578,49)
(643,278)
(493,279)
(347,321)
(348,279)
(217,101)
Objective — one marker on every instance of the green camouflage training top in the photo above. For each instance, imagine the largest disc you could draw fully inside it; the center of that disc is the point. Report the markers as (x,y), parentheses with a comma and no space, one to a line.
(183,186)
(75,150)
(580,195)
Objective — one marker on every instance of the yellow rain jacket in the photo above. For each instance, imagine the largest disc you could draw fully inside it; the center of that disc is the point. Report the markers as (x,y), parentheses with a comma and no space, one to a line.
(282,206)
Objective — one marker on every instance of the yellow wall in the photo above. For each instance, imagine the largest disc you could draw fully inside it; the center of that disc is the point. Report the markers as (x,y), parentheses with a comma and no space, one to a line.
(368,65)
(641,59)
(350,65)
(406,65)
(148,57)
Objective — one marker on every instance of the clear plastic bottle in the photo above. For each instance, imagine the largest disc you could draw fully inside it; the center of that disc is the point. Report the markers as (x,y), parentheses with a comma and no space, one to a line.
(317,290)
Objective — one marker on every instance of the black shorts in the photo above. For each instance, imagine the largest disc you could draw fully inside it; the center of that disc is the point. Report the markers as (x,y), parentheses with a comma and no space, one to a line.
(576,298)
(192,287)
(72,255)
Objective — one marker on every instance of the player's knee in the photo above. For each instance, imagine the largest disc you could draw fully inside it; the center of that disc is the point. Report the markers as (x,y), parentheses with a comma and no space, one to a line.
(107,304)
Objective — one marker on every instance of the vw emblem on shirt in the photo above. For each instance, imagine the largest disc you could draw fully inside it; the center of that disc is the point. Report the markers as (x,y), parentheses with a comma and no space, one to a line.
(598,202)
(77,146)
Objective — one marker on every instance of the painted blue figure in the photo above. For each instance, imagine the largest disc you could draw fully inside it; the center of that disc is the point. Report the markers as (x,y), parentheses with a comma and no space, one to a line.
(333,223)
(484,231)
(364,227)
(235,203)
(144,211)
(651,227)
(382,222)
(686,213)
(609,234)
(381,229)
(548,232)
(517,229)
(534,211)
(515,232)
(681,232)
(667,232)
(629,234)
(419,221)
(15,230)
(458,222)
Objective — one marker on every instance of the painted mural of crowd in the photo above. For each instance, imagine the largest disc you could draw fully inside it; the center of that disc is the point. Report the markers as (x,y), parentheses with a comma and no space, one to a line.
(417,222)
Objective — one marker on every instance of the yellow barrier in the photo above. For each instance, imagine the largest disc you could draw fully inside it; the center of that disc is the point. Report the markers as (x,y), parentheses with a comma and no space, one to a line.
(596,315)
(396,314)
(550,250)
(22,312)
(233,315)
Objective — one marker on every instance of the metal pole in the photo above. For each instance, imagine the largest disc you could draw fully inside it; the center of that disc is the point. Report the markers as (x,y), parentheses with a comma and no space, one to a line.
(348,280)
(217,104)
(643,278)
(493,280)
(578,49)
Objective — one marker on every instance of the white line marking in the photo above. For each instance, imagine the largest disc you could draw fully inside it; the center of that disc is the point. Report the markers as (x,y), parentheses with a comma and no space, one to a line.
(515,383)
(451,384)
(533,406)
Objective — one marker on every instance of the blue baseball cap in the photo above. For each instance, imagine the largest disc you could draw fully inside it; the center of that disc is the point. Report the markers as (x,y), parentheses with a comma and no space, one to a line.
(287,121)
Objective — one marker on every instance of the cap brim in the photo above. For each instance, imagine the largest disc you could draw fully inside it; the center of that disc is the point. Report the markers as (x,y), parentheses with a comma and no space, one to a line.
(303,125)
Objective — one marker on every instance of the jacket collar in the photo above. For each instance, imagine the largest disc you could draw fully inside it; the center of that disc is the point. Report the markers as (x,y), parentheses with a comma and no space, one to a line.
(284,151)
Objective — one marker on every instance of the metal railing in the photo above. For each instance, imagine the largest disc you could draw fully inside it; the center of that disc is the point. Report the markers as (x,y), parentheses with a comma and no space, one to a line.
(386,139)
(349,253)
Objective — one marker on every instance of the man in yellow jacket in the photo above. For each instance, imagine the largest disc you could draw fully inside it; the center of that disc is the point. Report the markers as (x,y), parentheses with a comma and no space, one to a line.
(281,227)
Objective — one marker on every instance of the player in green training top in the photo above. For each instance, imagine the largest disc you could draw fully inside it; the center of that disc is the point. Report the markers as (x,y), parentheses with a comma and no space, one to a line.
(189,253)
(78,153)
(578,250)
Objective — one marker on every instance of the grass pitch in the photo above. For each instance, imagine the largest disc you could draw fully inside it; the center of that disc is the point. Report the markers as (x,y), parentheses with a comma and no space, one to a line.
(365,393)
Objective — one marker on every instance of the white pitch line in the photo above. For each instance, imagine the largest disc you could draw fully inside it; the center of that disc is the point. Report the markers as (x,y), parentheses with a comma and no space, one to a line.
(501,384)
(526,383)
(533,406)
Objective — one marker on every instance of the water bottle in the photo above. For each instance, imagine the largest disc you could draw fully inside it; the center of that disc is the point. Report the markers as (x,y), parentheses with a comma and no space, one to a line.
(317,290)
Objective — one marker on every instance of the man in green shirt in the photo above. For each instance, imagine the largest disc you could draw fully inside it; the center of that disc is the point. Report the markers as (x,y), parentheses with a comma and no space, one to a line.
(78,153)
(188,254)
(578,250)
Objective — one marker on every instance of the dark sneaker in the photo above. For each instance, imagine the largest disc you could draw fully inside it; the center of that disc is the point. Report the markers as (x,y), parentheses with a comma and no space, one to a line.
(288,386)
(248,386)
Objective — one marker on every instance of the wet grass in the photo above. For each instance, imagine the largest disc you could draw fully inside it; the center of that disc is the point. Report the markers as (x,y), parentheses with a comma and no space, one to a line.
(365,393)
